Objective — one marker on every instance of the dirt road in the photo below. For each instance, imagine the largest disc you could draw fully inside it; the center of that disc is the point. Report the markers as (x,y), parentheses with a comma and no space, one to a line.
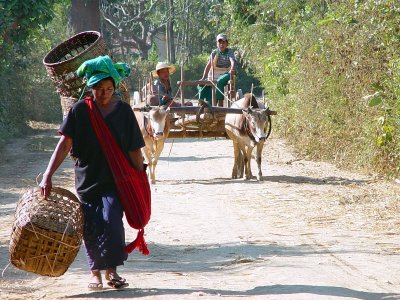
(308,231)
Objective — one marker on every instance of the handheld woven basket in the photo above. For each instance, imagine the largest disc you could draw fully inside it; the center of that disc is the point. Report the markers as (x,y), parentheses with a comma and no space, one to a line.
(62,61)
(47,233)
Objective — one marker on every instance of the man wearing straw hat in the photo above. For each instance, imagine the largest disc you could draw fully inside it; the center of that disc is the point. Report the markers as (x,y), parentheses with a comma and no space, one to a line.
(91,125)
(162,85)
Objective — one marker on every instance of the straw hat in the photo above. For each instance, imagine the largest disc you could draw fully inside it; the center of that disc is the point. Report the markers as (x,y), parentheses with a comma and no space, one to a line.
(163,65)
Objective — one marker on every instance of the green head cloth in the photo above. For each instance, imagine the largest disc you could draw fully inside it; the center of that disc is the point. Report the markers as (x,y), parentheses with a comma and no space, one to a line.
(101,67)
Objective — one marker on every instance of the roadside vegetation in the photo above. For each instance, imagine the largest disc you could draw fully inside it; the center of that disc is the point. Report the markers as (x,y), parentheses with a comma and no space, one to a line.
(330,68)
(332,71)
(27,31)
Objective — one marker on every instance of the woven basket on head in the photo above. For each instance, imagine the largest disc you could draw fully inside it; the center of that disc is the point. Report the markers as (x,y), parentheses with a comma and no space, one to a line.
(47,233)
(62,61)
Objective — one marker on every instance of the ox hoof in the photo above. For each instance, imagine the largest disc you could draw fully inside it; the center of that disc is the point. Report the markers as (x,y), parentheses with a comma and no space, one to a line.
(259,178)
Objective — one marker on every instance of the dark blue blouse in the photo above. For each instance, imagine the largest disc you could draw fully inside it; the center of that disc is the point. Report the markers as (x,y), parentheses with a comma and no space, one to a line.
(92,174)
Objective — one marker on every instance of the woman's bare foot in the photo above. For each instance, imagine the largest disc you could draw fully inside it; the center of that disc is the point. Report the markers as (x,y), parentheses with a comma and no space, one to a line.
(114,280)
(95,281)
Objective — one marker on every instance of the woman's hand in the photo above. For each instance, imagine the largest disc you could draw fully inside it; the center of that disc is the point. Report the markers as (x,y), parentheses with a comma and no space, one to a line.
(63,147)
(45,185)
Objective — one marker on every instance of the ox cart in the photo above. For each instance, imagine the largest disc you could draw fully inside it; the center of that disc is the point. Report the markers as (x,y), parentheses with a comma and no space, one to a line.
(202,120)
(246,121)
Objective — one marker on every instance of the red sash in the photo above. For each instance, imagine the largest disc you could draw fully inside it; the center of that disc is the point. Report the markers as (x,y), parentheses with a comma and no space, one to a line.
(132,185)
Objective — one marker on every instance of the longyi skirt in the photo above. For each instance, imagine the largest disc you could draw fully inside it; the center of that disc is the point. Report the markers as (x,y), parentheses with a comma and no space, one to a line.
(104,233)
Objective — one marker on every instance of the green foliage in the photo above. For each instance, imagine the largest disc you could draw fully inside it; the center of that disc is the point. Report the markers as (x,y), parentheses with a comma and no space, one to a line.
(20,19)
(140,72)
(193,70)
(42,100)
(332,70)
(26,92)
(153,56)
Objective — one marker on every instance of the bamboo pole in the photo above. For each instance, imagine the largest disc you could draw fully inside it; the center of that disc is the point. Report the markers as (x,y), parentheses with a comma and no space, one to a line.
(181,86)
(213,95)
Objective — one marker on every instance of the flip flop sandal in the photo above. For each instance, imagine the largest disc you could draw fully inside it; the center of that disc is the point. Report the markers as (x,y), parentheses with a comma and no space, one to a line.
(95,286)
(117,283)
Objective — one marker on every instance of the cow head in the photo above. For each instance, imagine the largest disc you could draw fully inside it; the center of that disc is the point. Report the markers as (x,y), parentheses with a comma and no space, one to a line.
(256,121)
(158,117)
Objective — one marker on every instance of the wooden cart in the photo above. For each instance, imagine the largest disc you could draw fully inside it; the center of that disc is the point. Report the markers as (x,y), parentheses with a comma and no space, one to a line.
(202,119)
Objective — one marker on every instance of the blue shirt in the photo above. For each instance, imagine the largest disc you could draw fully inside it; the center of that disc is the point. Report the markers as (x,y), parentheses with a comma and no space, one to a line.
(92,174)
(162,90)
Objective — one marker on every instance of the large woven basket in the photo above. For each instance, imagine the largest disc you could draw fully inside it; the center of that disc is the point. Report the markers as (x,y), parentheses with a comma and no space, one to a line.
(66,105)
(62,61)
(47,233)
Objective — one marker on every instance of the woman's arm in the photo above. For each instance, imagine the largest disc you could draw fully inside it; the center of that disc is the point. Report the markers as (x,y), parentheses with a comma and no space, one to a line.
(137,159)
(62,149)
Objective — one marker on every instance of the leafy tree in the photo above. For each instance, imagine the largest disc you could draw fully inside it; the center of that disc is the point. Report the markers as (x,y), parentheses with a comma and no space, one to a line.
(132,24)
(24,92)
(19,21)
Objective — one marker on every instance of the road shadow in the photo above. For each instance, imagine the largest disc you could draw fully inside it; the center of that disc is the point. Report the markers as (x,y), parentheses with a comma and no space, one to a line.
(194,140)
(331,180)
(207,258)
(203,257)
(257,291)
(189,158)
(213,257)
(335,181)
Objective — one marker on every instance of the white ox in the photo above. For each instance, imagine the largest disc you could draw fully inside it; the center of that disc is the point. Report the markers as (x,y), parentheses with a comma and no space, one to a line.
(247,131)
(155,127)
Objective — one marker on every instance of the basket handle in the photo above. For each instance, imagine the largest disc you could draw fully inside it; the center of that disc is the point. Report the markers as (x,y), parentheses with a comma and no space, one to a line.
(37,178)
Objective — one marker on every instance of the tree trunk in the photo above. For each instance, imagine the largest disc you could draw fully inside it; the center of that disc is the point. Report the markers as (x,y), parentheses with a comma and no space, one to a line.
(171,32)
(85,15)
(168,42)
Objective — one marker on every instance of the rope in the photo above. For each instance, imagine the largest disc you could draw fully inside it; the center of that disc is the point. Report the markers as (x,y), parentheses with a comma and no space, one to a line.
(221,92)
(2,273)
(170,149)
(177,95)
